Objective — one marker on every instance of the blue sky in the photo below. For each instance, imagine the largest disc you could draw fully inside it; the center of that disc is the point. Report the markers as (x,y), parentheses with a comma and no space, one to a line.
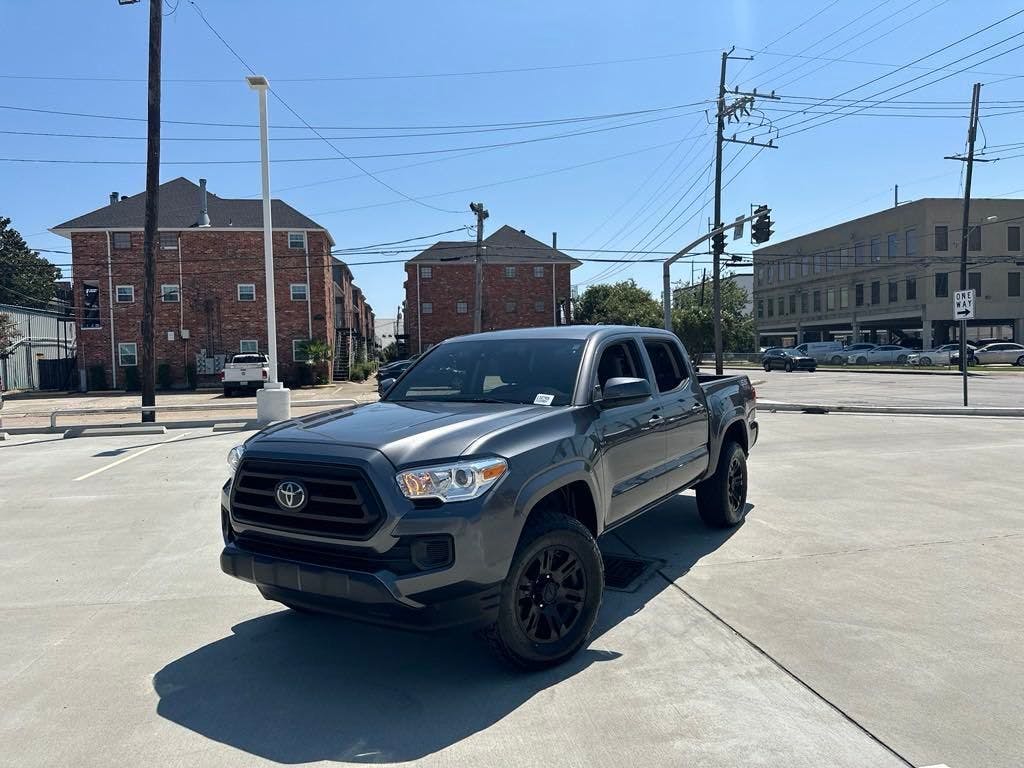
(633,169)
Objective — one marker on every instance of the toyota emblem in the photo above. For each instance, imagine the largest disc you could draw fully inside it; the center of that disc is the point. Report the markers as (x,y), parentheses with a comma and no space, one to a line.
(290,495)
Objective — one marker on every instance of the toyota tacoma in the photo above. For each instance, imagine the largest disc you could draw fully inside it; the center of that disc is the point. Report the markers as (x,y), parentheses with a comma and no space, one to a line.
(474,492)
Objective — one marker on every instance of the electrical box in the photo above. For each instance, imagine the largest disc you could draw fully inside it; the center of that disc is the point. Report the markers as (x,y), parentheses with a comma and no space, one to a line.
(184,333)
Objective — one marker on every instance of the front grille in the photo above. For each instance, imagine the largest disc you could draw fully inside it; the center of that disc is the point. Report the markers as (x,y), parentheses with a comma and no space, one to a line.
(340,501)
(397,560)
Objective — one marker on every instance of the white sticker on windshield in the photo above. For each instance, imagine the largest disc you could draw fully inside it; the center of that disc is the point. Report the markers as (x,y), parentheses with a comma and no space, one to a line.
(543,399)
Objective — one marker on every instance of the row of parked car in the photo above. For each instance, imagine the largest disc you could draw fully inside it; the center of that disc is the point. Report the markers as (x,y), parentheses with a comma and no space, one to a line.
(808,356)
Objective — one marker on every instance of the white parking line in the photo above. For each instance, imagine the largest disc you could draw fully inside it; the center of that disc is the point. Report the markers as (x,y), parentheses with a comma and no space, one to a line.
(113,464)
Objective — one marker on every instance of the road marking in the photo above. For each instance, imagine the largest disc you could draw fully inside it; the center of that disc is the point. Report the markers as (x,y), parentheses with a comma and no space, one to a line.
(113,464)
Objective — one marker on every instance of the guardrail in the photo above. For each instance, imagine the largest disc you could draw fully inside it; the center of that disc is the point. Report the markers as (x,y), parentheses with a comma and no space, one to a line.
(195,407)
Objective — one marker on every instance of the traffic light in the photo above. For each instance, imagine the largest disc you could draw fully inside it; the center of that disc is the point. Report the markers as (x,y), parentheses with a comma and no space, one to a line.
(718,243)
(761,230)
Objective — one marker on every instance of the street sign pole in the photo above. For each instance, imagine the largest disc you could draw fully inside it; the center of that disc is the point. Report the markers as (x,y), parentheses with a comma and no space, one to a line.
(963,356)
(963,310)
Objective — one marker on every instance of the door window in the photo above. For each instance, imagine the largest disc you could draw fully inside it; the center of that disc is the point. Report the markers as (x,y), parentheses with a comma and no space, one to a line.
(668,366)
(621,359)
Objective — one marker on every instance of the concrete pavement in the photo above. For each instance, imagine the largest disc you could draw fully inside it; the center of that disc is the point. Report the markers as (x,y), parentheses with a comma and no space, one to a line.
(860,613)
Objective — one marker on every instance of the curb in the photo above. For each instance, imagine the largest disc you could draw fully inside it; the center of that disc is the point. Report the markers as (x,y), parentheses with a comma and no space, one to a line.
(900,410)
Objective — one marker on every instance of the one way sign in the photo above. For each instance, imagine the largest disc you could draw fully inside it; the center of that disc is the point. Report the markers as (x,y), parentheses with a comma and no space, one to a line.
(963,305)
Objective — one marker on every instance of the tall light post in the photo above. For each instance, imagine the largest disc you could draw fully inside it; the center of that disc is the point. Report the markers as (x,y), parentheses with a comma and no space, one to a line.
(273,402)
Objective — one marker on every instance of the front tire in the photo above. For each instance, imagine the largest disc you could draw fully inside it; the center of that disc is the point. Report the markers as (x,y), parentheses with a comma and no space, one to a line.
(789,367)
(836,360)
(1020,361)
(862,361)
(925,361)
(767,367)
(902,359)
(551,595)
(722,498)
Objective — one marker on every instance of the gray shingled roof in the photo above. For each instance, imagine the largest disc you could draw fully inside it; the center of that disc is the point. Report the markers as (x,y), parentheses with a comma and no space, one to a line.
(179,209)
(506,244)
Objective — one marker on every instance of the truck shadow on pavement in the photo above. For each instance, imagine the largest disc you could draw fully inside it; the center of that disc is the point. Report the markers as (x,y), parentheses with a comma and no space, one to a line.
(294,688)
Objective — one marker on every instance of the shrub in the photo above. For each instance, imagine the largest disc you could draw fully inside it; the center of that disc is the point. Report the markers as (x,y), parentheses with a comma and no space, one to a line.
(131,379)
(96,377)
(164,379)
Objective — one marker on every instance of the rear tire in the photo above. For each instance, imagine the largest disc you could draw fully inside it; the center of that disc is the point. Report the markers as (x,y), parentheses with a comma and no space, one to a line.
(789,367)
(925,361)
(767,367)
(862,361)
(1020,361)
(722,498)
(836,360)
(551,595)
(812,369)
(902,359)
(228,391)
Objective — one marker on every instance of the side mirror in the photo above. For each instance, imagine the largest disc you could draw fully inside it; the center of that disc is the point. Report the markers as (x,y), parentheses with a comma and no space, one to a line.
(624,390)
(385,386)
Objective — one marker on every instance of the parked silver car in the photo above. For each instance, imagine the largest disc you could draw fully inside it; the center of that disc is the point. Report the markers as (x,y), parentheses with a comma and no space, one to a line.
(1001,352)
(841,357)
(938,356)
(887,353)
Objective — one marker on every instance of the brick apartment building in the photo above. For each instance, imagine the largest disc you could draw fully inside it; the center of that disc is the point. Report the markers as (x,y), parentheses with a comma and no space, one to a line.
(210,302)
(354,321)
(525,285)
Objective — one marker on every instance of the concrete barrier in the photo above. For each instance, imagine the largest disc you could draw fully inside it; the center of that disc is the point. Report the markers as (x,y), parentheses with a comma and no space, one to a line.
(189,408)
(895,410)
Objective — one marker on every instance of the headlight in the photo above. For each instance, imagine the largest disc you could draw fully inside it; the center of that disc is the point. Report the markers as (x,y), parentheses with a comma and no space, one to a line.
(235,457)
(457,481)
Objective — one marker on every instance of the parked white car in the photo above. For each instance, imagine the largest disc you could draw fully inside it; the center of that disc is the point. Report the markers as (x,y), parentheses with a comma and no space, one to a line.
(821,351)
(245,372)
(1000,352)
(840,357)
(887,353)
(937,356)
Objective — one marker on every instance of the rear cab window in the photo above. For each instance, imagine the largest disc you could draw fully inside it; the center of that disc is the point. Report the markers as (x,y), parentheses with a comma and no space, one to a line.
(670,370)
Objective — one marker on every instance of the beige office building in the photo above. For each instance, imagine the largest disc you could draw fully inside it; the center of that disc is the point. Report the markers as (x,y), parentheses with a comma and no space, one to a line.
(890,277)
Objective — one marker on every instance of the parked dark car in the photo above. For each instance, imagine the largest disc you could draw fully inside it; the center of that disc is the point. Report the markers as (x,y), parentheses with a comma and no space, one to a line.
(954,357)
(474,492)
(393,370)
(788,360)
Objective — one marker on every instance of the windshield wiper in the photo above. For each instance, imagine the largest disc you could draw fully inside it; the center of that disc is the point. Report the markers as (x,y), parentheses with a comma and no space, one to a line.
(476,400)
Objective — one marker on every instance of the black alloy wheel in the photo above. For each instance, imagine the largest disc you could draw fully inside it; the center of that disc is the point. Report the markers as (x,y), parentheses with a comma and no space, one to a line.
(550,595)
(789,367)
(736,483)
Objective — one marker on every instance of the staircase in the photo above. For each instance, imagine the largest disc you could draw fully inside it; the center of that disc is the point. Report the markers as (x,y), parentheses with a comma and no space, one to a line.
(342,353)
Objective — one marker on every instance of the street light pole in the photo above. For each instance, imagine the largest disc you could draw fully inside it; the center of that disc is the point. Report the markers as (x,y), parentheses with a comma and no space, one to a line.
(273,402)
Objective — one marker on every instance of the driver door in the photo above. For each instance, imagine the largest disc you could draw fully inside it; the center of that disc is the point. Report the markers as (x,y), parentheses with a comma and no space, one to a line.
(631,445)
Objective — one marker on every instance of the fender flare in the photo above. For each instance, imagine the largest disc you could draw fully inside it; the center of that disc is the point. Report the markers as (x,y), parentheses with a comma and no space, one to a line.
(553,478)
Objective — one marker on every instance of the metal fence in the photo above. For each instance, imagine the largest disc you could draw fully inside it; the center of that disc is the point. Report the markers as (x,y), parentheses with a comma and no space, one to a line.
(44,336)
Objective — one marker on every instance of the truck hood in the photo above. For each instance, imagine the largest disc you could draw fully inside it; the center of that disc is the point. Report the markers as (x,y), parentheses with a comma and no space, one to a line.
(405,433)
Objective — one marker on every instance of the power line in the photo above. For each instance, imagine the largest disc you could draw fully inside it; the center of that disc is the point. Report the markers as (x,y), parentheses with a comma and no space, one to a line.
(783,36)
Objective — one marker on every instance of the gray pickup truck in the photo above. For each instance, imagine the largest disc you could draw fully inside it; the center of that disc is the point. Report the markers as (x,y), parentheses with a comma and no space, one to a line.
(474,492)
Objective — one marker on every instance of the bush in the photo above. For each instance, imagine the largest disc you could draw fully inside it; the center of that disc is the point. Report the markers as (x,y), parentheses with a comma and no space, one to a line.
(131,379)
(96,377)
(164,379)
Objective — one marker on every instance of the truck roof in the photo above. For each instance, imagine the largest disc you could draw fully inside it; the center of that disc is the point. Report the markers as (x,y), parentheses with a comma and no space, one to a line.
(559,332)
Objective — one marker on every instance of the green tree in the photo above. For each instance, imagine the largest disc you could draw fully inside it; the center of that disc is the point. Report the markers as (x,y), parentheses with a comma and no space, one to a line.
(624,303)
(693,322)
(318,355)
(8,334)
(26,278)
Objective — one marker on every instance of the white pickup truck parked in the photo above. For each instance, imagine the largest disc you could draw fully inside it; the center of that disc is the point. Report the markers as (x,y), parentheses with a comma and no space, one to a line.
(245,372)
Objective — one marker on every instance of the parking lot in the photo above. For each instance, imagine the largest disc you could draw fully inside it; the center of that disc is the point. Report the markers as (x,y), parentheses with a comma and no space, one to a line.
(867,613)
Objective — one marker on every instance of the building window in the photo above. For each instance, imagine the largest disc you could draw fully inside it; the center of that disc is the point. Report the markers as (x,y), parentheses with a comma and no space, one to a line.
(771,308)
(941,284)
(462,307)
(792,270)
(1013,283)
(892,247)
(858,294)
(830,260)
(860,254)
(805,266)
(760,309)
(771,273)
(297,241)
(974,282)
(300,352)
(510,271)
(974,239)
(759,275)
(170,293)
(90,304)
(427,308)
(803,303)
(817,301)
(125,294)
(426,272)
(538,306)
(168,241)
(122,241)
(247,292)
(299,291)
(894,291)
(876,292)
(538,271)
(1013,238)
(911,238)
(942,238)
(782,306)
(844,297)
(127,354)
(844,258)
(876,250)
(911,288)
(830,299)
(510,306)
(819,263)
(249,346)
(792,303)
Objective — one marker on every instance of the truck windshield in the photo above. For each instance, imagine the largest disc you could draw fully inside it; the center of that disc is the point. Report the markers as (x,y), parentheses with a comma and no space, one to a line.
(529,371)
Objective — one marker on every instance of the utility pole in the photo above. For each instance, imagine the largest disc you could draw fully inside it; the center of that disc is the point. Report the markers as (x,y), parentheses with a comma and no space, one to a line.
(740,106)
(147,359)
(972,130)
(478,314)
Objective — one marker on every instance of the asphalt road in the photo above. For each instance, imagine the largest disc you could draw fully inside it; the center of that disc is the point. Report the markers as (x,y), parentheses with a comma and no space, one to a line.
(1004,389)
(867,613)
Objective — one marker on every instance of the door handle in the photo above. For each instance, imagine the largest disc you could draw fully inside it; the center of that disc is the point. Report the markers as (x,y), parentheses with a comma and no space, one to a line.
(654,419)
(696,407)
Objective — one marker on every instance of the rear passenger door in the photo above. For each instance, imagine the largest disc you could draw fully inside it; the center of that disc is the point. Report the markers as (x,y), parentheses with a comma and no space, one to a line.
(685,418)
(631,445)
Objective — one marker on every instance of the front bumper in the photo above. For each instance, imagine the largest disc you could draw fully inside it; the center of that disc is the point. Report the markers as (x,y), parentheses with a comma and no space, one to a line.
(367,597)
